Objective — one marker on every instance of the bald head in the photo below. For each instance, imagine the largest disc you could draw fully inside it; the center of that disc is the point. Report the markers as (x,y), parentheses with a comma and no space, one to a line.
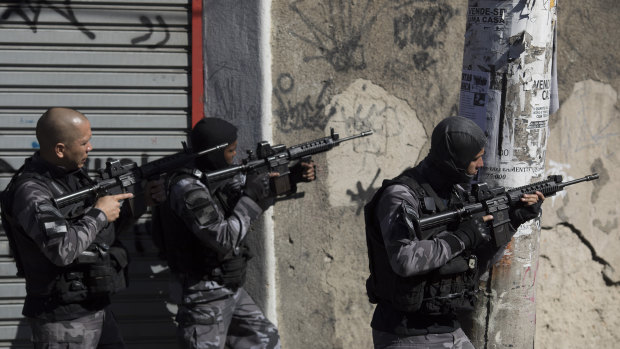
(59,125)
(64,137)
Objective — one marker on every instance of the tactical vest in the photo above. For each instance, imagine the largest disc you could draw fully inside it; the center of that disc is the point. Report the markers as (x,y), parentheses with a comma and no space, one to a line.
(98,271)
(447,289)
(186,255)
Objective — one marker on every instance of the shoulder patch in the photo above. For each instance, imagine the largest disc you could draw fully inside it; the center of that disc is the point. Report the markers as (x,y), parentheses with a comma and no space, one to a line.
(200,206)
(51,221)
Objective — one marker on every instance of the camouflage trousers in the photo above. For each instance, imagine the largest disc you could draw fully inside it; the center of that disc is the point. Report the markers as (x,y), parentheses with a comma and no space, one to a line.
(451,340)
(230,322)
(96,330)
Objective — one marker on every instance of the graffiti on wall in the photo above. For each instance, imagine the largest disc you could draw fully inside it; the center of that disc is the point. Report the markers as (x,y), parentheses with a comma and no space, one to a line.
(416,30)
(420,30)
(398,136)
(338,31)
(361,197)
(398,71)
(421,27)
(149,25)
(29,12)
(307,113)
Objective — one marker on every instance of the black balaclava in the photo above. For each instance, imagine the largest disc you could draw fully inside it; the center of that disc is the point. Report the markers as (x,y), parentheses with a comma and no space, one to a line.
(208,133)
(455,143)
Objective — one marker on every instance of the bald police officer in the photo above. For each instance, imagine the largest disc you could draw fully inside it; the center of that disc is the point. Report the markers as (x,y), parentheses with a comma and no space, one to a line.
(70,258)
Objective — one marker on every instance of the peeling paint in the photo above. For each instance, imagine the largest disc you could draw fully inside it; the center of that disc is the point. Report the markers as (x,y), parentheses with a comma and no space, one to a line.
(398,137)
(587,136)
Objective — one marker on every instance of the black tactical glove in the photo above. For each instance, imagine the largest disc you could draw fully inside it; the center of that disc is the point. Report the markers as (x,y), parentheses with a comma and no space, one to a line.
(523,213)
(257,189)
(297,172)
(473,233)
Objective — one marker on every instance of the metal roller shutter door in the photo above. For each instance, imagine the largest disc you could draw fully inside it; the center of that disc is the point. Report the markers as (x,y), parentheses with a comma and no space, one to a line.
(125,65)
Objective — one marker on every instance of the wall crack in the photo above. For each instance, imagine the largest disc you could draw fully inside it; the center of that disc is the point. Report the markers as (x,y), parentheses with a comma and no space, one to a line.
(595,257)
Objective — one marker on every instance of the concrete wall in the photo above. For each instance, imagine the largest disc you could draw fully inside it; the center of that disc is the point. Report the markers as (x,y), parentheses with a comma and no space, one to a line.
(353,66)
(394,67)
(579,271)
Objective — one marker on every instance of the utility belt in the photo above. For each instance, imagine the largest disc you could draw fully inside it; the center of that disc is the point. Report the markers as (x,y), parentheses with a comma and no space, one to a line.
(98,271)
(453,287)
(231,272)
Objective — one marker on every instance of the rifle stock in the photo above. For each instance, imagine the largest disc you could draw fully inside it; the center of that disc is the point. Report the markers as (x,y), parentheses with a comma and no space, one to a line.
(119,176)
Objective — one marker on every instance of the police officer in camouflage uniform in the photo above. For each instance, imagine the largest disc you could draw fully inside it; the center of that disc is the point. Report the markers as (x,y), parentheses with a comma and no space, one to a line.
(70,258)
(420,283)
(203,240)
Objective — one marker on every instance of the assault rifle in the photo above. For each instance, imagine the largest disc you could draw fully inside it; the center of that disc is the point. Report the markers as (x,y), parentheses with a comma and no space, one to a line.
(496,201)
(277,158)
(121,175)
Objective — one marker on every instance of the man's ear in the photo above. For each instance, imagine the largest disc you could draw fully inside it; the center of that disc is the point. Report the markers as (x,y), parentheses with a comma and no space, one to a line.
(59,150)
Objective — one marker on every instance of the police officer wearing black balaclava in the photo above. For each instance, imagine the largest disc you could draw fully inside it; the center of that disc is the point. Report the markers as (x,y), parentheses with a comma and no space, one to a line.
(202,235)
(420,285)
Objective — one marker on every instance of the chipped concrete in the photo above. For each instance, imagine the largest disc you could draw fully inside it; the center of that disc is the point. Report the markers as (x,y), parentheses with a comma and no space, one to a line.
(576,308)
(587,137)
(579,282)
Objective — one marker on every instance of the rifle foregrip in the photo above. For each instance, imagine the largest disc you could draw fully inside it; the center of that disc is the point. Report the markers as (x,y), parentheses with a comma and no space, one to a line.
(310,148)
(550,186)
(547,189)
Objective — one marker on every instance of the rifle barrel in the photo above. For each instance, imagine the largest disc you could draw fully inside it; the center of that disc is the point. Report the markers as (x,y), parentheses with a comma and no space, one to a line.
(217,147)
(145,171)
(80,195)
(359,135)
(582,179)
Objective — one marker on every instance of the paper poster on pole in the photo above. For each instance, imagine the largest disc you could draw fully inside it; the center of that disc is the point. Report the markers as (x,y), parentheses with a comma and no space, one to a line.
(473,100)
(540,94)
(514,113)
(480,104)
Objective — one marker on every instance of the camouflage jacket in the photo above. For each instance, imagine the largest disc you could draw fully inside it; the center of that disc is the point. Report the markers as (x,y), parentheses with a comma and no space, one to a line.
(46,240)
(419,285)
(219,230)
(58,239)
(408,255)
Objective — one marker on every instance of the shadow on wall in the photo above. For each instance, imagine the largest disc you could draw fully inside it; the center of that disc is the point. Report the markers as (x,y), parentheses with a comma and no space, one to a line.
(144,311)
(22,335)
(5,167)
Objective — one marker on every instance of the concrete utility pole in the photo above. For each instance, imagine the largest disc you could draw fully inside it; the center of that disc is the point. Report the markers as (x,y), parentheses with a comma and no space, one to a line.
(509,89)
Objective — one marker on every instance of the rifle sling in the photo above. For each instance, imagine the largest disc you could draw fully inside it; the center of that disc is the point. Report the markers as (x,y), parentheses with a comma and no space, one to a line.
(441,206)
(414,180)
